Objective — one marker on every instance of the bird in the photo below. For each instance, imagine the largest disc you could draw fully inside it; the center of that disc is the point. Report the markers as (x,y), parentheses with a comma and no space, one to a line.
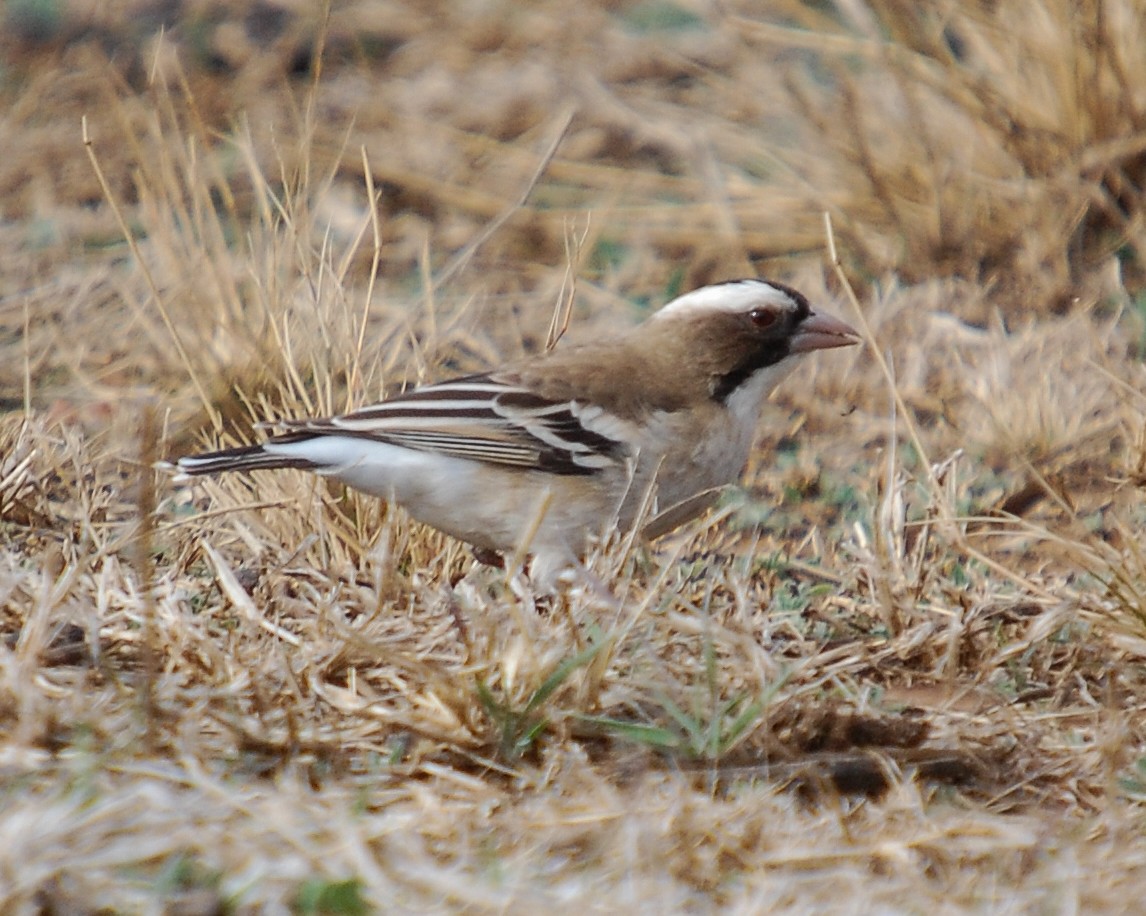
(540,457)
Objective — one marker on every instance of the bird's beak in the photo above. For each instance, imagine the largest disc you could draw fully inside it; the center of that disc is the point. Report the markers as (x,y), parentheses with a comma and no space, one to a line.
(822,332)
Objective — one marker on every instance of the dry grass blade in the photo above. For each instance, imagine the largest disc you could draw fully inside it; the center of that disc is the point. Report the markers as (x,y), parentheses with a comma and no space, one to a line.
(463,257)
(904,658)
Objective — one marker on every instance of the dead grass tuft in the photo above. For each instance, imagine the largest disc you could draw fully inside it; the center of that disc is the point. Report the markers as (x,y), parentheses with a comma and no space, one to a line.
(993,142)
(906,656)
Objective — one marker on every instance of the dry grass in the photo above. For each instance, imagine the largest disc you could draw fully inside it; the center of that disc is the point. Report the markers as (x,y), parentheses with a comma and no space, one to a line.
(901,671)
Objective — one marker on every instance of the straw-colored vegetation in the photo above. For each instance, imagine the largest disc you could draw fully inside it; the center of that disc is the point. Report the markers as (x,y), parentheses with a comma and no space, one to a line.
(903,669)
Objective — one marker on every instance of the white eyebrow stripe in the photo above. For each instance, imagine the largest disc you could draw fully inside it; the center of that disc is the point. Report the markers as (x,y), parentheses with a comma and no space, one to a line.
(735,297)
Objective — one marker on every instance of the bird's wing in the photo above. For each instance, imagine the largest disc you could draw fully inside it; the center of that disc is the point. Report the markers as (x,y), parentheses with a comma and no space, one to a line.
(487,418)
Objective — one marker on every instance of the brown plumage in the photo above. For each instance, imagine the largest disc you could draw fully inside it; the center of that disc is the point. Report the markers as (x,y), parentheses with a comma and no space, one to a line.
(569,443)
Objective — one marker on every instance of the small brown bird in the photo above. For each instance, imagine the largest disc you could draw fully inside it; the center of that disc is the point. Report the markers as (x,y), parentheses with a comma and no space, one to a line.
(558,448)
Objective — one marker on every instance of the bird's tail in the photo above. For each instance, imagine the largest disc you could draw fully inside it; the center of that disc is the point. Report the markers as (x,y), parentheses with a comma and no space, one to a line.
(243,458)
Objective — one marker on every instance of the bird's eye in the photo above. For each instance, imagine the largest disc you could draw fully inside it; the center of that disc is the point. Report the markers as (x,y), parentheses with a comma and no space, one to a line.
(762,319)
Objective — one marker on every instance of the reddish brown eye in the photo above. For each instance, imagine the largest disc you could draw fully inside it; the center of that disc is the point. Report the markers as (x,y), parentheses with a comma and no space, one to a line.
(762,319)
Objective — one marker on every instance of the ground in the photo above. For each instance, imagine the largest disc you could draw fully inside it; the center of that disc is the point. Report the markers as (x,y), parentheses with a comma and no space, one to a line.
(900,669)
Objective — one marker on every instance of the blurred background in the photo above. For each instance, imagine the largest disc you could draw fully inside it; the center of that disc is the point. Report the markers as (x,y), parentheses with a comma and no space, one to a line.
(654,146)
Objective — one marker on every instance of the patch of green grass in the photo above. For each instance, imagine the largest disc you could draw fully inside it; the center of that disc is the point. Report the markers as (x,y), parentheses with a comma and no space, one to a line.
(608,254)
(1134,784)
(797,596)
(675,285)
(520,727)
(660,16)
(695,733)
(37,20)
(706,728)
(185,872)
(323,897)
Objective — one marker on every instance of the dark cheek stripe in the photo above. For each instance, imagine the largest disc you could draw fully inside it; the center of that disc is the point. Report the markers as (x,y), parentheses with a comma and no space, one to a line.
(766,356)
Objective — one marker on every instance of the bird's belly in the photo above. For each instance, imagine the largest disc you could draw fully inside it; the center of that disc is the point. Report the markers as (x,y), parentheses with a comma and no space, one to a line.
(482,504)
(503,508)
(692,464)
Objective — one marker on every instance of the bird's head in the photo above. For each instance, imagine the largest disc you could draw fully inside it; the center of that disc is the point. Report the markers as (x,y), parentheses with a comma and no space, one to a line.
(745,332)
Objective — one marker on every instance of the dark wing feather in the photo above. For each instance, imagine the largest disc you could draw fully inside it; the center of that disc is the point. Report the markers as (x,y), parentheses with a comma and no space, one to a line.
(484,418)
